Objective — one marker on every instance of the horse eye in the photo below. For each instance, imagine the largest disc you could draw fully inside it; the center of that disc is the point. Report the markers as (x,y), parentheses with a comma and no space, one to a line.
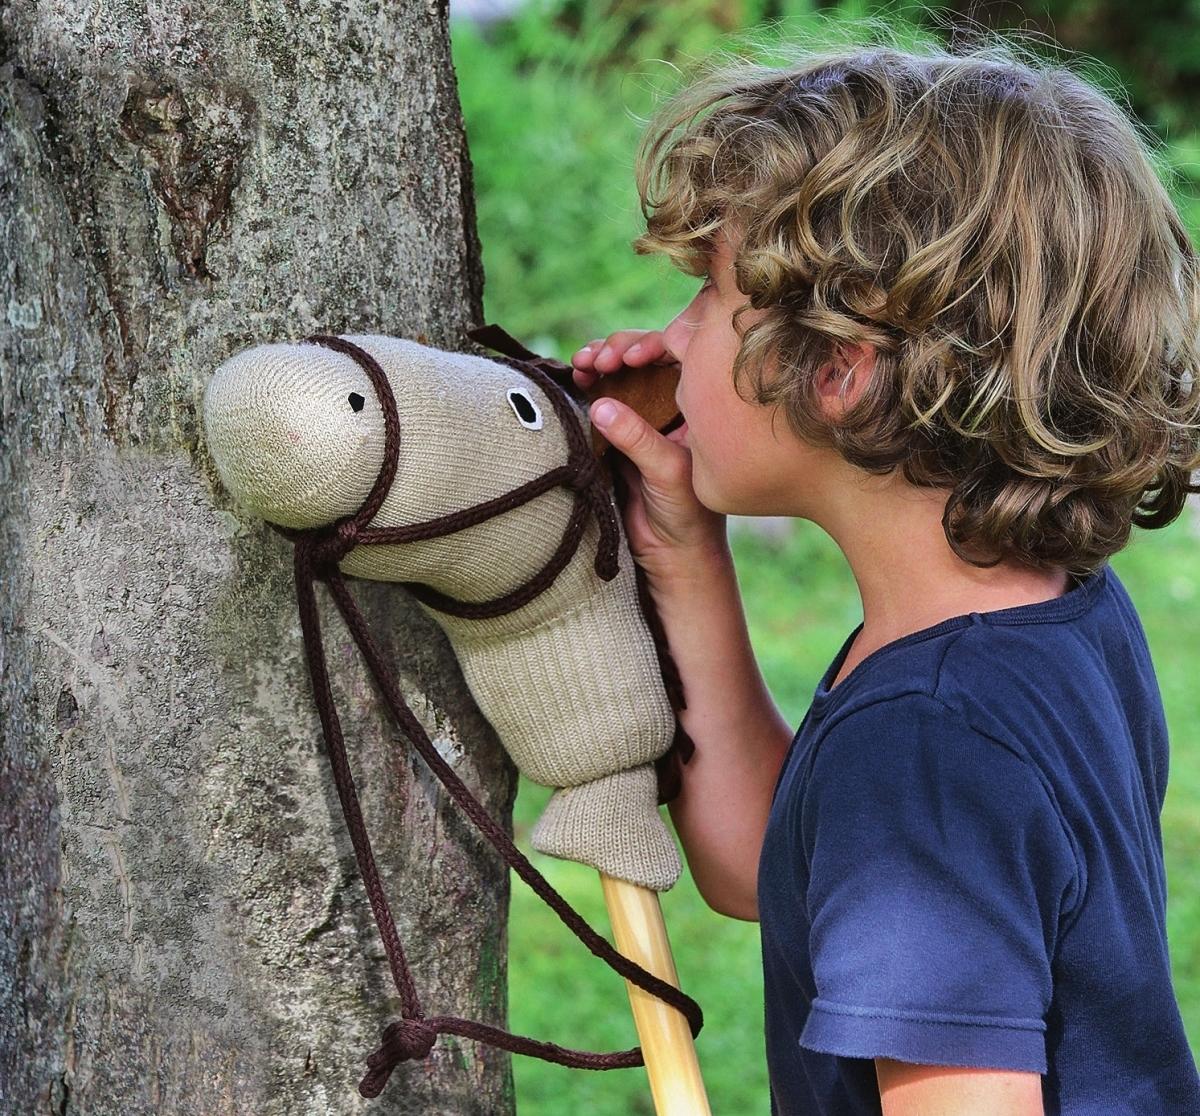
(525,408)
(357,401)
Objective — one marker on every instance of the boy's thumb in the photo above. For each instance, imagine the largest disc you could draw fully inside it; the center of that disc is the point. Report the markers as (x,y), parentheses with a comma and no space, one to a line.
(633,436)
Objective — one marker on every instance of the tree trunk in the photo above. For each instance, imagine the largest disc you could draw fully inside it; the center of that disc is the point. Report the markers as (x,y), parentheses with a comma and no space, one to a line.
(182,926)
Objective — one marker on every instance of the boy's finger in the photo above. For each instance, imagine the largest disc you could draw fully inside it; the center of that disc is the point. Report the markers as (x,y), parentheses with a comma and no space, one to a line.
(657,459)
(610,354)
(632,478)
(646,349)
(583,357)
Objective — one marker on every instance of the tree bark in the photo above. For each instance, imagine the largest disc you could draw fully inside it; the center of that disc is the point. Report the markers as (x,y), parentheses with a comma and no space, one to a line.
(182,926)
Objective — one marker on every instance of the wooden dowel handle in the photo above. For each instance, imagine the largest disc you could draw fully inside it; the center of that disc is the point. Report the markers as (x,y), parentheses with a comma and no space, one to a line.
(663,1032)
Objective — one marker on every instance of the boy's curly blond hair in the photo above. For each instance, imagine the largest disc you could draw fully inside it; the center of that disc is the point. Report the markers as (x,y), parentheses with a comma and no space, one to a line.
(996,227)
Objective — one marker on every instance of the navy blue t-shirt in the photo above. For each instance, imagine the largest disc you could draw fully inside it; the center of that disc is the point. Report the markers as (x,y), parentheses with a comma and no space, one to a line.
(963,866)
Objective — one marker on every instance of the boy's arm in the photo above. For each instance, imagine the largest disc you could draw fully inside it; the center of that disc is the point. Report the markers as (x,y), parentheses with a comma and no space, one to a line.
(741,738)
(908,1089)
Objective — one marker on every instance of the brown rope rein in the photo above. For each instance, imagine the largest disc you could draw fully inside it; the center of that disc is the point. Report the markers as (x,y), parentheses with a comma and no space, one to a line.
(317,554)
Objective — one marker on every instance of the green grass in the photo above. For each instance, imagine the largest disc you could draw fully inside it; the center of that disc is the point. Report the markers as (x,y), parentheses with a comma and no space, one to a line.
(553,104)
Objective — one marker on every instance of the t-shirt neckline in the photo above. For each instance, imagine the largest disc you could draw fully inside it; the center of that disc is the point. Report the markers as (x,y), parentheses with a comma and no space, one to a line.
(1070,604)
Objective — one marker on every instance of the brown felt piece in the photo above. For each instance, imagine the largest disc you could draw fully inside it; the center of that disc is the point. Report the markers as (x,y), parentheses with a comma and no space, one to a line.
(648,391)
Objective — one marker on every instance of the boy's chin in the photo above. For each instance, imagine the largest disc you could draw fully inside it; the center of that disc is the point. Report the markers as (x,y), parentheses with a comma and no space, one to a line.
(704,493)
(726,503)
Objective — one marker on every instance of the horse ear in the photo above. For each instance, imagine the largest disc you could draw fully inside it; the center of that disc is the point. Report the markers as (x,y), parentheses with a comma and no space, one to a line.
(495,337)
(492,336)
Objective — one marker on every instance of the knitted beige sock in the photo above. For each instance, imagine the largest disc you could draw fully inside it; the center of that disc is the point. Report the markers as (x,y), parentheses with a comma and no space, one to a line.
(614,825)
(570,680)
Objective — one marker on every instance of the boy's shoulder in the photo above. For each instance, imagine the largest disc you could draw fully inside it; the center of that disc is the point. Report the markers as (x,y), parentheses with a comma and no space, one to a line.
(1063,688)
(1011,674)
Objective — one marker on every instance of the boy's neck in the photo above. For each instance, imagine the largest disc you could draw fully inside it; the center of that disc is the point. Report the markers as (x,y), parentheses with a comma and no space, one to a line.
(908,576)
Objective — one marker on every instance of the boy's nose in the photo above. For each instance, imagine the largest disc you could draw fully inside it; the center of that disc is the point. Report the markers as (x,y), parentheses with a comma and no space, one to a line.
(675,338)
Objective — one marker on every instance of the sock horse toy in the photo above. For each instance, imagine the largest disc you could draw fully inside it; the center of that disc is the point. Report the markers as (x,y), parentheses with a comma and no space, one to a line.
(471,482)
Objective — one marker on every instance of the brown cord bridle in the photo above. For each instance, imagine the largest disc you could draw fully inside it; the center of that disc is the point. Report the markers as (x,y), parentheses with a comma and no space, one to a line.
(317,554)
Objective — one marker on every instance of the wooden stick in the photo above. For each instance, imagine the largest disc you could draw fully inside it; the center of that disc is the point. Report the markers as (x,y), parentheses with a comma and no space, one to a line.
(663,1032)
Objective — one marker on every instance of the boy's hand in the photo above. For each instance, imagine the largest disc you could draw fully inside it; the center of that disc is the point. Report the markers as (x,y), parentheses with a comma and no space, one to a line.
(668,529)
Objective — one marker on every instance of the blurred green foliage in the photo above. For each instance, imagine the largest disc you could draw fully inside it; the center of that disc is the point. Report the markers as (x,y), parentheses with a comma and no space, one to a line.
(555,99)
(554,102)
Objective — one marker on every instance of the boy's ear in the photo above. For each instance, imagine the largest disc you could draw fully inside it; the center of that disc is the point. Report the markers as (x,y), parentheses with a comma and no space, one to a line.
(842,381)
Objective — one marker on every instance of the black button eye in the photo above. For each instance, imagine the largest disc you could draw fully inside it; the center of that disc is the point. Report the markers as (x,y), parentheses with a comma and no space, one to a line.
(357,401)
(525,409)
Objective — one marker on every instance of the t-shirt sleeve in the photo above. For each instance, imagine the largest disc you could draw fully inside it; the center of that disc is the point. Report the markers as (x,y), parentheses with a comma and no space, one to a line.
(939,867)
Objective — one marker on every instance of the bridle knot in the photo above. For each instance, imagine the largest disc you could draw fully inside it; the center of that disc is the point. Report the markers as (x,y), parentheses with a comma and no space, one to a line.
(329,547)
(403,1040)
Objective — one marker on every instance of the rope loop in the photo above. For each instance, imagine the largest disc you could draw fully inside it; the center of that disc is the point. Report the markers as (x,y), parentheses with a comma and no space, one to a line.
(587,470)
(328,547)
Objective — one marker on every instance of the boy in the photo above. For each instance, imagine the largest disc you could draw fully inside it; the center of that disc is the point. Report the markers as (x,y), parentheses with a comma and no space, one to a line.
(972,317)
